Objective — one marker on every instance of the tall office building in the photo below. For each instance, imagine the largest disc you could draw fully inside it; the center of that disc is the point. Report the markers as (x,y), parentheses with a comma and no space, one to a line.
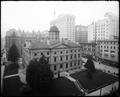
(81,33)
(105,29)
(66,25)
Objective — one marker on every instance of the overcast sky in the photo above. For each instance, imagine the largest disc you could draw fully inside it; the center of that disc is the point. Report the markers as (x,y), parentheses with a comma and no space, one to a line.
(36,15)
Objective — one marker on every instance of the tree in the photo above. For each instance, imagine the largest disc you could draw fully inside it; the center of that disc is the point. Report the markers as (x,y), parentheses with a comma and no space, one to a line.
(13,53)
(39,75)
(90,66)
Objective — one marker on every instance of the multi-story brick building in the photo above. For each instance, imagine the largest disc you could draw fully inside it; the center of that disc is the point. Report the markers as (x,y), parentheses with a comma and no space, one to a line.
(108,50)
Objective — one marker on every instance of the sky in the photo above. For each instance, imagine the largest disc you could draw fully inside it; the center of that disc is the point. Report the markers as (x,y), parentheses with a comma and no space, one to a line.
(36,15)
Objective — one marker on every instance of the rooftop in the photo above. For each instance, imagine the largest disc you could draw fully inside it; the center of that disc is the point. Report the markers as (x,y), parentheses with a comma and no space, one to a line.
(99,80)
(64,87)
(52,44)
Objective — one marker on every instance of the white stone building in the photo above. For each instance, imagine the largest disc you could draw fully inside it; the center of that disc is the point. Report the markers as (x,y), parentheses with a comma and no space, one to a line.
(104,29)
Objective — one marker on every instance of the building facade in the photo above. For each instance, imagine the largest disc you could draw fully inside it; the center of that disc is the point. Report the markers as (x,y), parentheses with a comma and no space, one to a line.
(66,26)
(108,50)
(62,56)
(105,29)
(81,33)
(88,49)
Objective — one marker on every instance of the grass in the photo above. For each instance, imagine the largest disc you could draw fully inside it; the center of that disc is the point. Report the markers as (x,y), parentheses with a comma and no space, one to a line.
(100,79)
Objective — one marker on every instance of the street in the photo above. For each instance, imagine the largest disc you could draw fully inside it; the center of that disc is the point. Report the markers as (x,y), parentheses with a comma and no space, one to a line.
(104,67)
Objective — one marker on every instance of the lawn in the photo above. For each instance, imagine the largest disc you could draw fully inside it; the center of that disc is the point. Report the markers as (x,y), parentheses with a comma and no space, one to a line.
(100,79)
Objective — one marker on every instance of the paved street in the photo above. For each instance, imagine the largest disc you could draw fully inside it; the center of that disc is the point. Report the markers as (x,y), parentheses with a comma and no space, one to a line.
(103,67)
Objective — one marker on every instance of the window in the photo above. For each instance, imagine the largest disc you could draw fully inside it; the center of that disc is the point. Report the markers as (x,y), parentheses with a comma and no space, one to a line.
(112,51)
(35,54)
(71,64)
(75,50)
(66,51)
(61,66)
(78,55)
(111,47)
(47,53)
(71,57)
(75,56)
(60,58)
(75,63)
(67,57)
(104,46)
(105,50)
(107,47)
(55,67)
(24,45)
(112,55)
(61,52)
(55,59)
(54,52)
(114,47)
(106,55)
(78,62)
(67,65)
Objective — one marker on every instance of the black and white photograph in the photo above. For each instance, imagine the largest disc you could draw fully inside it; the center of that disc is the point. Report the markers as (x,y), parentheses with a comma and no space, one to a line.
(60,48)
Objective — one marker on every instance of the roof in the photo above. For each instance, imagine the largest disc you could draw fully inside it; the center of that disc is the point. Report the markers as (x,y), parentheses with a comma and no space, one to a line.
(42,45)
(100,79)
(53,29)
(51,44)
(64,87)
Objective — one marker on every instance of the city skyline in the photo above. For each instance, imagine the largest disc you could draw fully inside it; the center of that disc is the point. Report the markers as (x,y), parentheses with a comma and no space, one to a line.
(29,16)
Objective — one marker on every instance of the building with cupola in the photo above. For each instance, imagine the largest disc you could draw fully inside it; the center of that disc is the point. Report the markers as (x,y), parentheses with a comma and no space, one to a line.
(54,33)
(63,55)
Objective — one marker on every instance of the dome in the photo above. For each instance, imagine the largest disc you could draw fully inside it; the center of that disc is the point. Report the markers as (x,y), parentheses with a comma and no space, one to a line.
(53,29)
